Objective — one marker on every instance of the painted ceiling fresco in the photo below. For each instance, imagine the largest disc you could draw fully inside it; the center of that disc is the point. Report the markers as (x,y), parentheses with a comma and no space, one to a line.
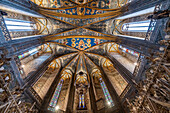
(76,24)
(80,31)
(53,3)
(82,17)
(105,4)
(74,20)
(80,11)
(81,43)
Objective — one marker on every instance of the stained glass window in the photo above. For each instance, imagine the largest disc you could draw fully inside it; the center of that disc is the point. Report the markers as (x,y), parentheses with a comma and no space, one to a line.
(18,25)
(55,97)
(27,53)
(141,26)
(81,101)
(126,50)
(106,93)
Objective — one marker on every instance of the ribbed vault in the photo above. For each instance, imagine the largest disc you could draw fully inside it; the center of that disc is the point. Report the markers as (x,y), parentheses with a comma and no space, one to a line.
(80,44)
(83,56)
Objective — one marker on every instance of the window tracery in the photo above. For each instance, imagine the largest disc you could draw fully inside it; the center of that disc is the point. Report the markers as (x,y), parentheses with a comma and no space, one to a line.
(108,98)
(18,25)
(82,81)
(54,64)
(55,96)
(81,101)
(107,64)
(106,93)
(141,26)
(66,74)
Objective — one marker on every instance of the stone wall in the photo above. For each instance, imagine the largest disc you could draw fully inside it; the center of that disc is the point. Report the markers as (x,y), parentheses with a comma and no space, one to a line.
(118,82)
(44,83)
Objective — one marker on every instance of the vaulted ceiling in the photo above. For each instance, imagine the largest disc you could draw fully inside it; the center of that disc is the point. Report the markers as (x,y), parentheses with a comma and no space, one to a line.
(84,18)
(81,28)
(79,32)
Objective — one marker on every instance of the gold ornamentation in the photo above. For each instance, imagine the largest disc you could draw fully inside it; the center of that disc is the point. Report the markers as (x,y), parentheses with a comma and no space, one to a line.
(93,4)
(107,64)
(79,12)
(73,42)
(81,45)
(88,43)
(114,48)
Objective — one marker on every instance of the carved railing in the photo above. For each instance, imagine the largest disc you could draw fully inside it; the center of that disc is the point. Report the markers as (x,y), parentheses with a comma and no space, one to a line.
(153,91)
(152,23)
(148,35)
(11,95)
(3,28)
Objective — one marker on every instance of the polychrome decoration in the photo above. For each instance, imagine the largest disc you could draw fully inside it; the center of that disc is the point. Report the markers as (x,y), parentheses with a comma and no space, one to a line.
(107,64)
(96,73)
(53,3)
(126,50)
(80,11)
(27,53)
(81,43)
(81,101)
(81,78)
(66,3)
(66,74)
(54,64)
(55,97)
(113,47)
(106,93)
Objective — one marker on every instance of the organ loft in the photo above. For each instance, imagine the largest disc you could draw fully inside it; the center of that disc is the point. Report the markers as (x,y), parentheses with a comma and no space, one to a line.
(84,56)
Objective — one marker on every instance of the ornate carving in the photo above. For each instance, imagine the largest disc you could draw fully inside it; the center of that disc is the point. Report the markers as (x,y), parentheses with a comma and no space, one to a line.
(153,90)
(152,23)
(11,95)
(4,28)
